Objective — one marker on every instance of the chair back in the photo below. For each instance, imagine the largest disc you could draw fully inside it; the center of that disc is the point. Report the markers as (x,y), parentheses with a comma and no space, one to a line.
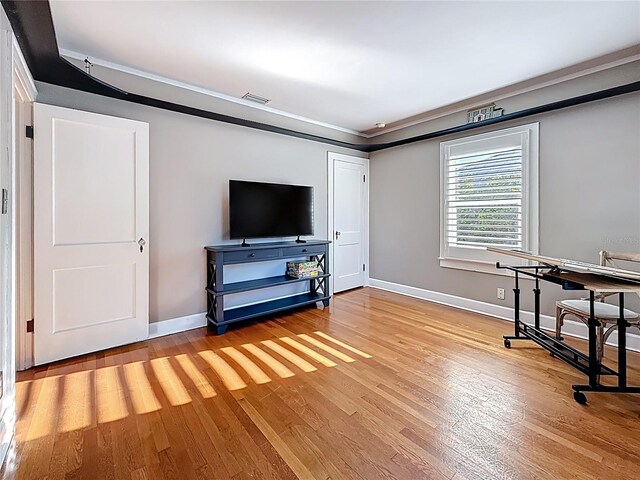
(607,259)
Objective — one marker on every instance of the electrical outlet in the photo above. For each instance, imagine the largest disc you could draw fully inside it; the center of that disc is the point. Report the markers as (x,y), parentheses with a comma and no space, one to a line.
(501,294)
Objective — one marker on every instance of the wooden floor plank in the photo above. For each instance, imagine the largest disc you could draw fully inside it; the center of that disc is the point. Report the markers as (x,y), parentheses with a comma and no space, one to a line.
(376,386)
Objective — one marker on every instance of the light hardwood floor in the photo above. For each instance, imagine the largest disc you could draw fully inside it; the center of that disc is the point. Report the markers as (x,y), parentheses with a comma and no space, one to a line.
(377,386)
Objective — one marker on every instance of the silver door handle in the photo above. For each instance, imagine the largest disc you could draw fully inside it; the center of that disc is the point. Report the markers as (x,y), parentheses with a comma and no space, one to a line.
(142,243)
(338,234)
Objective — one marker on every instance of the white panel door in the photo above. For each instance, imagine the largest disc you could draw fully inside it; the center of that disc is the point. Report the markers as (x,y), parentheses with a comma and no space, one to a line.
(348,223)
(91,228)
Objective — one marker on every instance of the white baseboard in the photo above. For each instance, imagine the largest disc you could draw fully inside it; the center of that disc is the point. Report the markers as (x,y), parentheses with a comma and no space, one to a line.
(571,328)
(177,325)
(197,320)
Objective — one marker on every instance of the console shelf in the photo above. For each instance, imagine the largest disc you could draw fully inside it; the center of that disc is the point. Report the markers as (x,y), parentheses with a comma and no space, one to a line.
(249,285)
(271,306)
(220,317)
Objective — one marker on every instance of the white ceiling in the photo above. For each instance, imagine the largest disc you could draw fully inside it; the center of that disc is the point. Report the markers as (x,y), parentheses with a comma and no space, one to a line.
(349,64)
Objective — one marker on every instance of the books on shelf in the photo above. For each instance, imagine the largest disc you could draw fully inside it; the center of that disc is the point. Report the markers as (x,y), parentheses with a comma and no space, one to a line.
(303,269)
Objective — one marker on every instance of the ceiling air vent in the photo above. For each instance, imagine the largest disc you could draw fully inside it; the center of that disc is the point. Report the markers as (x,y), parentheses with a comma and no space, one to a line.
(255,98)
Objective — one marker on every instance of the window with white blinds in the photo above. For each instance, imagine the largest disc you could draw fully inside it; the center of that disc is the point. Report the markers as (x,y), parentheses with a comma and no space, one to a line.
(488,185)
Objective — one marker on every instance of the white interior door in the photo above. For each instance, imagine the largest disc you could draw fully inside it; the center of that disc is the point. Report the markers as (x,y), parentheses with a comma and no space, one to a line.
(91,211)
(349,221)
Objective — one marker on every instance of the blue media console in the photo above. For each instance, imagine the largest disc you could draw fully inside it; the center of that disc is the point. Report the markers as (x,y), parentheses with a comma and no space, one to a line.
(221,255)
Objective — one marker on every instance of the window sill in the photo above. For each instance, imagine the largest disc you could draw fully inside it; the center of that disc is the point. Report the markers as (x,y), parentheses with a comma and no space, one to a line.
(474,266)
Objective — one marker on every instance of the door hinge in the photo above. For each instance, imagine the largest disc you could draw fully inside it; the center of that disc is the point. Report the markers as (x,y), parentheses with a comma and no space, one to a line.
(5,201)
(30,326)
(363,268)
(29,131)
(364,178)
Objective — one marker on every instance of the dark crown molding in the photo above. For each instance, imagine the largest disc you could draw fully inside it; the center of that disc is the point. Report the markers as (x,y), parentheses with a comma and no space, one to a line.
(33,26)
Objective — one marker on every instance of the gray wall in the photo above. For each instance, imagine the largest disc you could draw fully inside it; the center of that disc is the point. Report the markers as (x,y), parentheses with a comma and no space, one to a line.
(191,161)
(589,199)
(589,187)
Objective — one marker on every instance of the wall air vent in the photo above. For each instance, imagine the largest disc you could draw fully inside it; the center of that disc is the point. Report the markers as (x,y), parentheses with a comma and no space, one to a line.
(255,98)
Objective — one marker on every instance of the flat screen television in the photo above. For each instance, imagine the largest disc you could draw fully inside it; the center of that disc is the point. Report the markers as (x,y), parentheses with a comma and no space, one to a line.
(259,210)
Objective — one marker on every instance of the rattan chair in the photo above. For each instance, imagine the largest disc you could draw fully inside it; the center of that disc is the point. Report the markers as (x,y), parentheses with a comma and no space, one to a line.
(606,314)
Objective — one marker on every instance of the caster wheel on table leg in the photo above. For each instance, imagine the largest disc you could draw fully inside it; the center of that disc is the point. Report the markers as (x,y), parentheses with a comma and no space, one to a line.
(507,343)
(580,397)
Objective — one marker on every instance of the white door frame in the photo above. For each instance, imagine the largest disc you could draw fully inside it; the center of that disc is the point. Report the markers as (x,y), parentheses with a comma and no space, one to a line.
(7,245)
(16,87)
(24,92)
(331,159)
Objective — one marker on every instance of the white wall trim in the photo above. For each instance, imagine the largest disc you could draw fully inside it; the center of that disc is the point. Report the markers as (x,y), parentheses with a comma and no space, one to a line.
(331,158)
(24,94)
(475,266)
(8,240)
(571,328)
(204,91)
(425,117)
(23,153)
(23,74)
(177,325)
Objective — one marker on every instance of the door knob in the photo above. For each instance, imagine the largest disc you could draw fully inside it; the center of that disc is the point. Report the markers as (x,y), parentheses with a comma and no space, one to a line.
(337,234)
(142,243)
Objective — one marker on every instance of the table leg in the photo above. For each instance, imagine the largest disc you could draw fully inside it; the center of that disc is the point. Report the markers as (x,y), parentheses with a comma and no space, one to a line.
(622,345)
(536,305)
(516,307)
(593,362)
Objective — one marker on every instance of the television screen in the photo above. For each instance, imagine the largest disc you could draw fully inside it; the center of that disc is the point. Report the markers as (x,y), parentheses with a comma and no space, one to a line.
(269,210)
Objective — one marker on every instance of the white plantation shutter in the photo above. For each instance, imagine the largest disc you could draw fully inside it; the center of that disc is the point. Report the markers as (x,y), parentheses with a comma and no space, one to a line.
(483,198)
(486,194)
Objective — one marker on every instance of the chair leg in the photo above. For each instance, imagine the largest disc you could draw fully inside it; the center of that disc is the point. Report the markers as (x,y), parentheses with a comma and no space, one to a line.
(607,333)
(560,314)
(600,337)
(600,341)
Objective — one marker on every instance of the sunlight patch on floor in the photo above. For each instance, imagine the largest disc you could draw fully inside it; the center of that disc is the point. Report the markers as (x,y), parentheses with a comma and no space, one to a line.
(280,369)
(342,344)
(299,362)
(307,351)
(110,402)
(227,374)
(169,381)
(198,379)
(142,396)
(77,401)
(45,421)
(327,348)
(254,371)
(83,399)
